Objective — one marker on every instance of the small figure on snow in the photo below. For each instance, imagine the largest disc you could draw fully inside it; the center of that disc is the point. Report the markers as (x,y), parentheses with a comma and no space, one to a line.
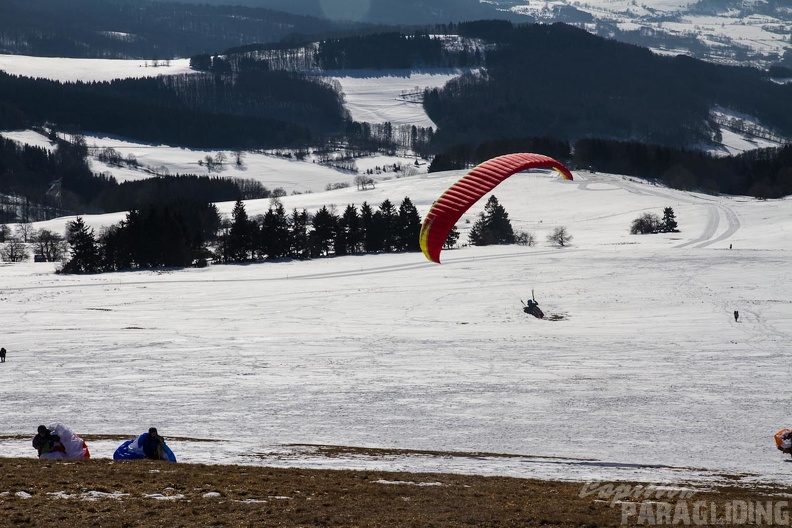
(736,315)
(2,355)
(532,307)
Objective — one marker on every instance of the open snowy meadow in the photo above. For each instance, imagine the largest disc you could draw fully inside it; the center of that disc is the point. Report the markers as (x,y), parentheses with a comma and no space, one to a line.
(645,375)
(640,371)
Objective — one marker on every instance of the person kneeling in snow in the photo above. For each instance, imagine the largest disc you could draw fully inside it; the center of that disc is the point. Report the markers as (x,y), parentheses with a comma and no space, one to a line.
(47,444)
(783,440)
(151,444)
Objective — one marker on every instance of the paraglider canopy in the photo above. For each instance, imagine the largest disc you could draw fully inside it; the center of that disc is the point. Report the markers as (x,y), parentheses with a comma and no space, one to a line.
(143,447)
(71,445)
(448,209)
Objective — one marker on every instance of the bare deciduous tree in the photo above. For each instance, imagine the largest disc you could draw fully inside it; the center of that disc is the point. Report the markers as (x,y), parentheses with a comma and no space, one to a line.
(560,236)
(14,251)
(238,157)
(24,232)
(363,182)
(646,223)
(51,245)
(525,238)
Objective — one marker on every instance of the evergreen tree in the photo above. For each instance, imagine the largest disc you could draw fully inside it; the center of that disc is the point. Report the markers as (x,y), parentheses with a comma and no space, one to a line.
(368,232)
(451,239)
(375,239)
(324,225)
(409,227)
(388,225)
(241,235)
(274,235)
(84,249)
(493,226)
(298,235)
(669,224)
(173,234)
(351,228)
(115,248)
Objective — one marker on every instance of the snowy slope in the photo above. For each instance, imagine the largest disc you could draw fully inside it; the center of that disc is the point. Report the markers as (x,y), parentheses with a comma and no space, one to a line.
(374,96)
(72,70)
(761,33)
(646,376)
(395,96)
(270,170)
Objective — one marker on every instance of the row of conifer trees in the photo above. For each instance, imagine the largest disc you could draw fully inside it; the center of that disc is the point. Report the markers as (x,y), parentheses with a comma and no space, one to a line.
(188,233)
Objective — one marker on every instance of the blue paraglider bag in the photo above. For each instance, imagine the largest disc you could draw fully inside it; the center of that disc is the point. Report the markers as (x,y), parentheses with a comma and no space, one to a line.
(133,450)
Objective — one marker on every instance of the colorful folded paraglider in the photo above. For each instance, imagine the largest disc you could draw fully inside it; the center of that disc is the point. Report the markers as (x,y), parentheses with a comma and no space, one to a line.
(61,442)
(147,445)
(458,198)
(783,440)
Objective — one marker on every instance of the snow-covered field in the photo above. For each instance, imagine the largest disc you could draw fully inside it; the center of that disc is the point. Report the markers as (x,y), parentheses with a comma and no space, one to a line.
(395,96)
(646,375)
(72,70)
(373,96)
(763,35)
(272,171)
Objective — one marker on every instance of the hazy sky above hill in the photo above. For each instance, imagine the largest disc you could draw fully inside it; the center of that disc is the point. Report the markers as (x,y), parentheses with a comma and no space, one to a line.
(380,11)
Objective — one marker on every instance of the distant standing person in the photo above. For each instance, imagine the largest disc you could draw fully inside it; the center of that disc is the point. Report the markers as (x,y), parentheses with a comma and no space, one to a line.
(2,355)
(736,315)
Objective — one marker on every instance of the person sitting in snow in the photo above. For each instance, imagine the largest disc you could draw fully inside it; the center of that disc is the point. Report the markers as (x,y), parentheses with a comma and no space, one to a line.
(152,445)
(45,442)
(783,440)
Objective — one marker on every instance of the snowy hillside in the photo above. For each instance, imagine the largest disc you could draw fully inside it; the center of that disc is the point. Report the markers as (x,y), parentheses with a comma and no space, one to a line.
(646,375)
(372,96)
(735,32)
(72,70)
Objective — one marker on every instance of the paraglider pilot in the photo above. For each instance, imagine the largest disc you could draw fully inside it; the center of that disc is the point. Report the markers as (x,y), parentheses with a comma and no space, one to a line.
(532,307)
(45,442)
(152,445)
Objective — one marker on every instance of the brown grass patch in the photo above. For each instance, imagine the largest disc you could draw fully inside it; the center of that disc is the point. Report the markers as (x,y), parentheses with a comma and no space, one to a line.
(100,493)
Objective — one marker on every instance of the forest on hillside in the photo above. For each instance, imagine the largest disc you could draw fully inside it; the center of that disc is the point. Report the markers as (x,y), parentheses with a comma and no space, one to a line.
(38,184)
(762,173)
(550,89)
(143,29)
(404,12)
(378,50)
(261,110)
(566,83)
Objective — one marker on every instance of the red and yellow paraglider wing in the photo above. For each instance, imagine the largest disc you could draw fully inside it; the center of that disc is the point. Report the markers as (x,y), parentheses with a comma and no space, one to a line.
(453,203)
